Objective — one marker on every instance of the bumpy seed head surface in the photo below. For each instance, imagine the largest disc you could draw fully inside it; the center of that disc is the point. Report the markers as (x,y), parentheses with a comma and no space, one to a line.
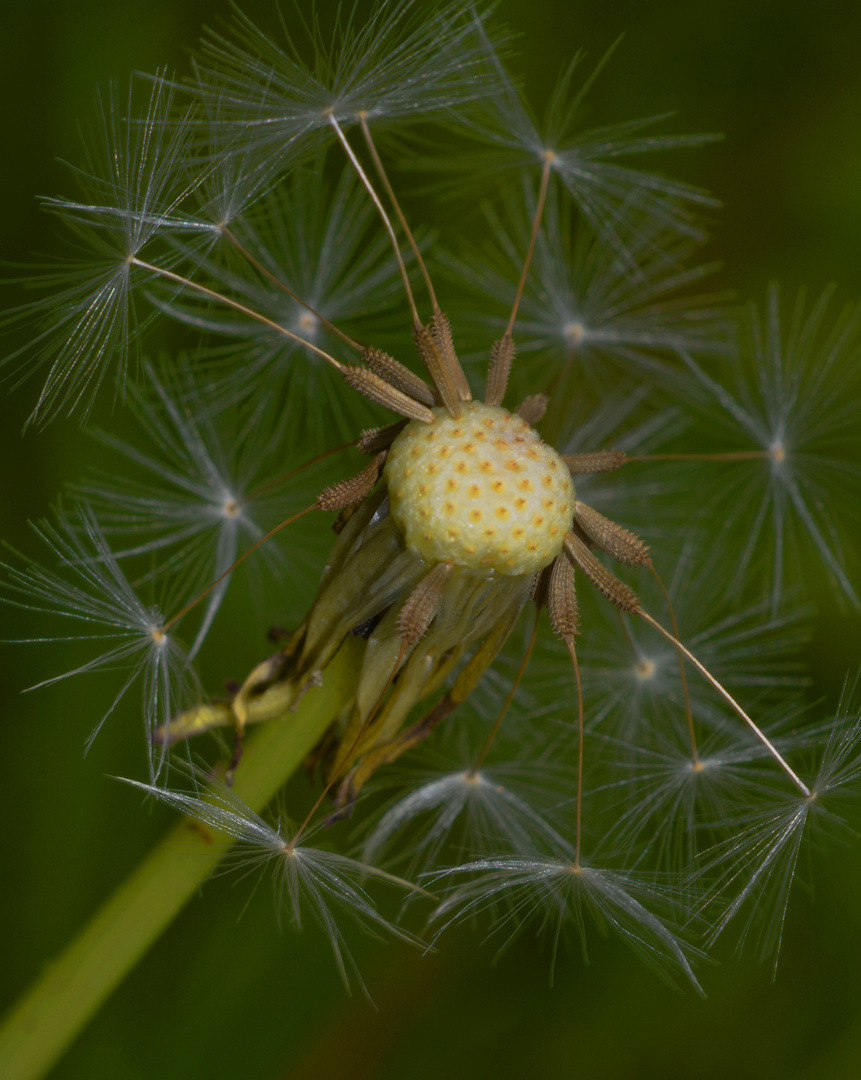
(483,491)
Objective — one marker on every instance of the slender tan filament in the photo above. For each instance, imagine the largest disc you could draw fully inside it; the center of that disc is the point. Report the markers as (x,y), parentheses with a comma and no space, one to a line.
(688,714)
(539,209)
(730,700)
(346,757)
(221,299)
(175,618)
(278,480)
(569,641)
(479,761)
(736,455)
(279,284)
(375,199)
(378,165)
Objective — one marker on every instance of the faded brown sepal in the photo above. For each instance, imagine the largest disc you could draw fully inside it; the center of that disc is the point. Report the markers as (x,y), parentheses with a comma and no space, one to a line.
(400,377)
(421,605)
(388,752)
(562,599)
(501,359)
(616,591)
(349,492)
(375,388)
(440,329)
(341,520)
(443,375)
(376,439)
(541,587)
(532,409)
(605,534)
(596,462)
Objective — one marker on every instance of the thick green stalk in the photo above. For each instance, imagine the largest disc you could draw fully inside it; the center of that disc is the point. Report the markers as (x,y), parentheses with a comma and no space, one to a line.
(54,1010)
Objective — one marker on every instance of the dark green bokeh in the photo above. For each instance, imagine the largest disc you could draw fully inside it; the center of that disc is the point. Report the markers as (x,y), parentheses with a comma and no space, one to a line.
(222,995)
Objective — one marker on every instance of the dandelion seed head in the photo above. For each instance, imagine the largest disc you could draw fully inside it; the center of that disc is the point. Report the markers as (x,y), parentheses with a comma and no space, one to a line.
(606,289)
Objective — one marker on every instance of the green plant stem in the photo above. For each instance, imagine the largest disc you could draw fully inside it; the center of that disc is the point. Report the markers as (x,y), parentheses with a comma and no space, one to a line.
(58,1005)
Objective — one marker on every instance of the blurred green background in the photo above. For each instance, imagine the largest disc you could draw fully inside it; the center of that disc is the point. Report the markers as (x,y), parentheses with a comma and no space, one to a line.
(227,995)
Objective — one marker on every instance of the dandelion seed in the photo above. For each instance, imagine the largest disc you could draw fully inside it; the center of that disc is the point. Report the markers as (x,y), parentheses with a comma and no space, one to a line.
(611,197)
(757,864)
(796,404)
(211,492)
(132,192)
(583,312)
(630,678)
(309,880)
(671,805)
(553,891)
(390,67)
(453,807)
(313,241)
(93,590)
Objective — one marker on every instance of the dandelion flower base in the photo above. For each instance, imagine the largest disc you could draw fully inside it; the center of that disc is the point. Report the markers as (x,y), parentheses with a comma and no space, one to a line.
(481,490)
